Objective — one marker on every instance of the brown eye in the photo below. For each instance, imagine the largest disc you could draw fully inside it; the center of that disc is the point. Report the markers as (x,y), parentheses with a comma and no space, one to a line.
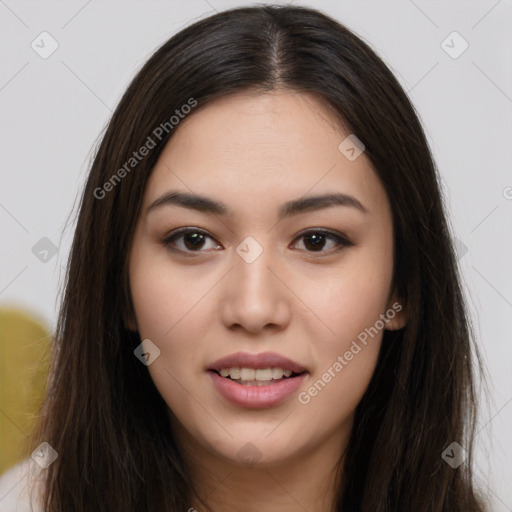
(315,241)
(187,240)
(193,240)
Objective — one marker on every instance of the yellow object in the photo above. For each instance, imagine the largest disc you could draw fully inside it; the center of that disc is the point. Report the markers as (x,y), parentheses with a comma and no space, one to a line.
(24,360)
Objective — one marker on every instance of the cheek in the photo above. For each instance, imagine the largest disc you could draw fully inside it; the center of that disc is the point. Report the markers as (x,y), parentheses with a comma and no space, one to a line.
(331,396)
(172,307)
(162,295)
(348,299)
(169,316)
(350,303)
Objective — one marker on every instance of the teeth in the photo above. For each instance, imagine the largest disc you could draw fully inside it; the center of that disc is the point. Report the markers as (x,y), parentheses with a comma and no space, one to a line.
(277,373)
(264,374)
(249,374)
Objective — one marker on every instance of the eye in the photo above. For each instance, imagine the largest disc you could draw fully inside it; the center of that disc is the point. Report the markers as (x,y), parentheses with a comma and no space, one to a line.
(315,240)
(190,240)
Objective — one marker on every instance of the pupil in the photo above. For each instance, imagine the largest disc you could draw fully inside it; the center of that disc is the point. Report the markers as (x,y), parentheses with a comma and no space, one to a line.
(196,238)
(318,241)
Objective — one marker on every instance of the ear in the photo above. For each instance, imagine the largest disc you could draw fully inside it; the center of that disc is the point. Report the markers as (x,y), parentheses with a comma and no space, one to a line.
(130,321)
(131,324)
(396,313)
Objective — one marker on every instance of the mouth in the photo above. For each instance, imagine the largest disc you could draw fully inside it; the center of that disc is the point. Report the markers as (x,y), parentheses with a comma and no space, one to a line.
(257,377)
(259,380)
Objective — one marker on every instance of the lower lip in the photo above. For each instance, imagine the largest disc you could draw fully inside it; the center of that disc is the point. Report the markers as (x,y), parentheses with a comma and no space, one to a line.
(255,397)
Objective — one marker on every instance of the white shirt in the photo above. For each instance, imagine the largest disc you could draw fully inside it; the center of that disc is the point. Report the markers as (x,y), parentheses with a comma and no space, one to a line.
(15,486)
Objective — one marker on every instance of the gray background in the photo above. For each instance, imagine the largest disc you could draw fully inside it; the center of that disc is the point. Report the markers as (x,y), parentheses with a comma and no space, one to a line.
(53,111)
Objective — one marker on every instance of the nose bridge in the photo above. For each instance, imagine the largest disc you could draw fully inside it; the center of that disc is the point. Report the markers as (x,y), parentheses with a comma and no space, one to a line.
(256,295)
(252,273)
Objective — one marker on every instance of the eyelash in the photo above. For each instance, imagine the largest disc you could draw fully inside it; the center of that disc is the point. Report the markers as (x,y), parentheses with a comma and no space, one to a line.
(340,239)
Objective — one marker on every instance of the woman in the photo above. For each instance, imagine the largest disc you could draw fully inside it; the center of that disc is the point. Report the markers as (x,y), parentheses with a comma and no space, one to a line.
(262,307)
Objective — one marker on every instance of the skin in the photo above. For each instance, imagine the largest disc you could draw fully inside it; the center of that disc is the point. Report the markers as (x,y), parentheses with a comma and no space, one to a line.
(255,151)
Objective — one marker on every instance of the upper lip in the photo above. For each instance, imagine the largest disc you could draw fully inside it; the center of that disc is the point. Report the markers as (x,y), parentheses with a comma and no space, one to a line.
(257,361)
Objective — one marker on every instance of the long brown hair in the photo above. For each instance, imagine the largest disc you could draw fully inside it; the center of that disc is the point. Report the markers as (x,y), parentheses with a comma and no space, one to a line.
(103,414)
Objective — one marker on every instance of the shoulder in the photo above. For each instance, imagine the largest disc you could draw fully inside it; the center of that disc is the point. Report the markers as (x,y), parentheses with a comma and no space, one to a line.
(16,485)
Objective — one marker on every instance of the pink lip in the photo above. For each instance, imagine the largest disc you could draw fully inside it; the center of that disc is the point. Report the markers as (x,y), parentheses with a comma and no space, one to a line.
(252,396)
(257,361)
(255,397)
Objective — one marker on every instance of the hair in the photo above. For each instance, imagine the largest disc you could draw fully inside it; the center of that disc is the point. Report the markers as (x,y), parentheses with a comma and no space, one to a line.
(102,412)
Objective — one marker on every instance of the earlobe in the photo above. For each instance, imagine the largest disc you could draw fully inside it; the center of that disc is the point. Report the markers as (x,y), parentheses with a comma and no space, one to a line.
(396,314)
(130,321)
(131,324)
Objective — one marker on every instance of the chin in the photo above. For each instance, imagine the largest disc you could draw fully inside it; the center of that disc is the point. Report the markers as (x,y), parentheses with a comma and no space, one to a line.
(257,451)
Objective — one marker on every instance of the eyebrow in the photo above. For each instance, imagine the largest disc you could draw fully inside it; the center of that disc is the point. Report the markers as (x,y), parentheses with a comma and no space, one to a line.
(288,209)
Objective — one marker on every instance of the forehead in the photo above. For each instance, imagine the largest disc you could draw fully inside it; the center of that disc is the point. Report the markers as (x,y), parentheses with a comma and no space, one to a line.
(266,147)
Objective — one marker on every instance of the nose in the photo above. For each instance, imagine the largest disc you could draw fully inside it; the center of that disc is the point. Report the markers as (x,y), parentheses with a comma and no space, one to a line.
(256,296)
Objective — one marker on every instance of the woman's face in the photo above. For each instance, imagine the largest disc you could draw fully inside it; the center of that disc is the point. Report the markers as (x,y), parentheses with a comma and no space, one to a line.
(257,276)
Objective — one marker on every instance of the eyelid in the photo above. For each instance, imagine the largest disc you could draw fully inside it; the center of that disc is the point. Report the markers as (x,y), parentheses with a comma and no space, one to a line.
(169,238)
(341,240)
